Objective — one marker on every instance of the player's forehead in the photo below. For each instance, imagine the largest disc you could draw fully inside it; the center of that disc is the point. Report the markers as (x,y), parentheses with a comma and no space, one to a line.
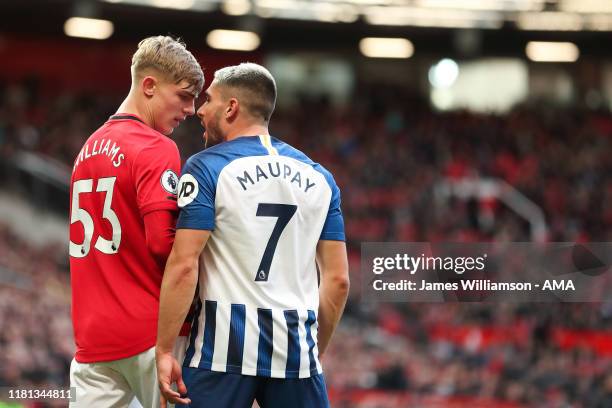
(213,89)
(187,87)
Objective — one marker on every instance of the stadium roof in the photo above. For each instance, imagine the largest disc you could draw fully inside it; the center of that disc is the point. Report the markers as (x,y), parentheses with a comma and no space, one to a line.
(496,27)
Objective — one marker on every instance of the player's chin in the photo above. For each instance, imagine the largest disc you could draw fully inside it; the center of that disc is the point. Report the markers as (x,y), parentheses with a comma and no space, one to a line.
(207,140)
(168,131)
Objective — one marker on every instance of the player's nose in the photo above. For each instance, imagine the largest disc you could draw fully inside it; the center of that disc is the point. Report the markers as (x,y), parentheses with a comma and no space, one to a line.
(190,110)
(201,112)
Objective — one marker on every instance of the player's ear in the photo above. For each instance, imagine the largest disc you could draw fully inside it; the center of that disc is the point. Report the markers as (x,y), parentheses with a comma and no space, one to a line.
(232,108)
(149,85)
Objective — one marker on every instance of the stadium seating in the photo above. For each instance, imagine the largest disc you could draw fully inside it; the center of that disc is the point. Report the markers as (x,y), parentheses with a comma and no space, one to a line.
(384,355)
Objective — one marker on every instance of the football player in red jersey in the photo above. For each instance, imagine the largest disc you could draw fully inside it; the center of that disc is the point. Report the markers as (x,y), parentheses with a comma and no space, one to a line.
(122,216)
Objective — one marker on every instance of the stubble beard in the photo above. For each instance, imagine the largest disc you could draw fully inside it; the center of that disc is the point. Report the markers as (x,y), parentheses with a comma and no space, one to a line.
(214,134)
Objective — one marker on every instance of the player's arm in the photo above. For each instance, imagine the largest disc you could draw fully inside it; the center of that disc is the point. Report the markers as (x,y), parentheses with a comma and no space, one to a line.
(177,290)
(159,233)
(334,288)
(154,173)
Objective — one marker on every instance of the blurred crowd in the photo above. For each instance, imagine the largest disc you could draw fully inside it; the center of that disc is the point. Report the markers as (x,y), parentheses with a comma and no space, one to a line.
(36,336)
(388,151)
(506,353)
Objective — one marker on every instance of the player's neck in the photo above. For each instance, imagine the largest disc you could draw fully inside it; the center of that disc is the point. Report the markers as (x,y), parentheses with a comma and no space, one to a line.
(252,130)
(132,107)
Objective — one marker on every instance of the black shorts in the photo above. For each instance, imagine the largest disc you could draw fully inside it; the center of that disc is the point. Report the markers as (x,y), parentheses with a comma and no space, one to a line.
(223,390)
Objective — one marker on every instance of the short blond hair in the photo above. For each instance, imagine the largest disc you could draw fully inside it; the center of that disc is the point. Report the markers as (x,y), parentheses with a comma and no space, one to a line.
(169,57)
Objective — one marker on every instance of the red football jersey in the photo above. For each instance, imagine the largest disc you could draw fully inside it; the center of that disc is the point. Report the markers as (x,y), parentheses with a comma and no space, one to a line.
(124,170)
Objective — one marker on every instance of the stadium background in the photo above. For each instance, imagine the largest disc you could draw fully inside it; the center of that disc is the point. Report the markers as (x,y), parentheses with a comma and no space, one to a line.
(465,102)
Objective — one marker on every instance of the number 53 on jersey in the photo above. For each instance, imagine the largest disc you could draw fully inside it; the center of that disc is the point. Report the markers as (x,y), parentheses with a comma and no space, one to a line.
(103,186)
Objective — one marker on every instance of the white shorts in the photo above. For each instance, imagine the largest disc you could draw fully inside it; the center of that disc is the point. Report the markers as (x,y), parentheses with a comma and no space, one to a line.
(119,383)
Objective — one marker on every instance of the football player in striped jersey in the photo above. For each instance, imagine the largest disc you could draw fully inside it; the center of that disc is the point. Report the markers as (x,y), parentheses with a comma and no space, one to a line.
(257,217)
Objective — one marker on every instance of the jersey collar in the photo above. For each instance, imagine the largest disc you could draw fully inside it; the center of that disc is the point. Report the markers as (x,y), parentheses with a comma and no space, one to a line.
(126,116)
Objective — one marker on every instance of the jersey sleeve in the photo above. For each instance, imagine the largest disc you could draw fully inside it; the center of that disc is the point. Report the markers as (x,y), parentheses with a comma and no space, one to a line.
(155,177)
(196,196)
(333,229)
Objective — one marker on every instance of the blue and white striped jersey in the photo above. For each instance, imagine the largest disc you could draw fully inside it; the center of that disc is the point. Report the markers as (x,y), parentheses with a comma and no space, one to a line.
(267,205)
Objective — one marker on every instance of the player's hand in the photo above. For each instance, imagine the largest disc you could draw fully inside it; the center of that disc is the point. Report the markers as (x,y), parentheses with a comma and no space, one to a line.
(168,373)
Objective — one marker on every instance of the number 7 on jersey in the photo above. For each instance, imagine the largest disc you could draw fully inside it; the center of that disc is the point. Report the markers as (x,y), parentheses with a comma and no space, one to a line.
(284,213)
